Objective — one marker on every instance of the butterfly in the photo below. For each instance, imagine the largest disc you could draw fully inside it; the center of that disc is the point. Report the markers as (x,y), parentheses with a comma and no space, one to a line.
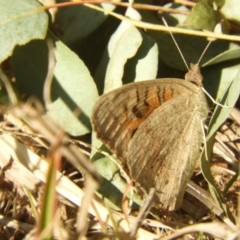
(155,129)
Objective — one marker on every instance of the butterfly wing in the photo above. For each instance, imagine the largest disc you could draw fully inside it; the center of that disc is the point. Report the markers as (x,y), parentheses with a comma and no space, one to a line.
(168,145)
(121,119)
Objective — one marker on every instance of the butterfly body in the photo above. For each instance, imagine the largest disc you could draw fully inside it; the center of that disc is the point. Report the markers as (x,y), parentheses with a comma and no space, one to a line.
(154,128)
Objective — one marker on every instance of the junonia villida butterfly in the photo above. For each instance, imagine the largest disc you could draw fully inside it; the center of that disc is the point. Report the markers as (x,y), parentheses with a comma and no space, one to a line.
(154,128)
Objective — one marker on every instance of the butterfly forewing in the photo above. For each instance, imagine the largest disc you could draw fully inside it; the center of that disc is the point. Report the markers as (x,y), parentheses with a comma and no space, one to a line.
(118,114)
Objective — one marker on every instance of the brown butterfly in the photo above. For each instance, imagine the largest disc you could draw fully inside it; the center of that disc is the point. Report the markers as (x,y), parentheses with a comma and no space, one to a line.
(155,129)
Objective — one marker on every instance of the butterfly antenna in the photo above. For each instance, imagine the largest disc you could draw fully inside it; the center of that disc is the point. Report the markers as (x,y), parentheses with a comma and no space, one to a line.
(199,60)
(174,40)
(217,29)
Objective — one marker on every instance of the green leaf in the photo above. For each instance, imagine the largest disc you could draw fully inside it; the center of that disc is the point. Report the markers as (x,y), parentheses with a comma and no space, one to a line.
(229,98)
(72,88)
(203,17)
(100,73)
(218,78)
(82,18)
(113,185)
(205,166)
(230,10)
(145,58)
(31,69)
(20,22)
(233,52)
(173,19)
(128,54)
(125,48)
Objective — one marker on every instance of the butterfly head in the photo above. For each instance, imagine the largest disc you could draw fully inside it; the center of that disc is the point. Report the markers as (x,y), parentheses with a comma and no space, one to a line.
(194,75)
